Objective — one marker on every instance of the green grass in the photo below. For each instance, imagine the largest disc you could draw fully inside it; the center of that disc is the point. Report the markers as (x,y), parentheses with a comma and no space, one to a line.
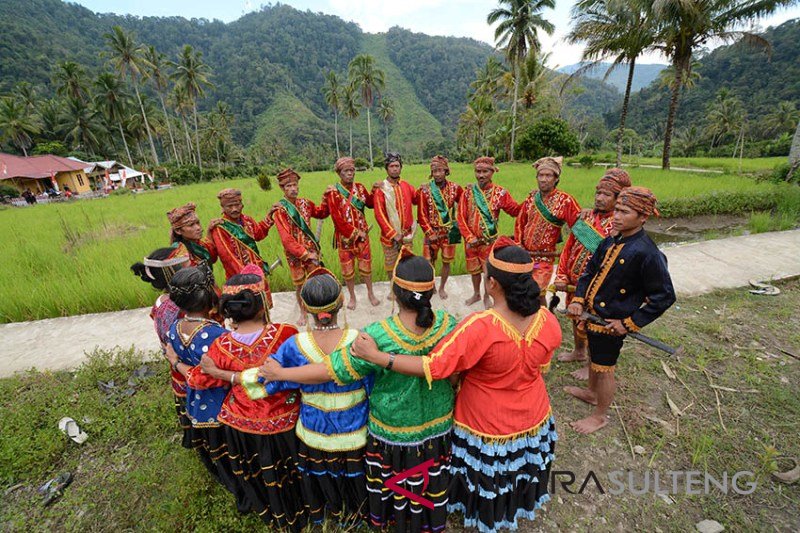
(72,258)
(725,164)
(133,474)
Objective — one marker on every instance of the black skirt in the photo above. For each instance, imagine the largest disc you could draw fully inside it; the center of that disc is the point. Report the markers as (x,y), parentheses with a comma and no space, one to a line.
(183,420)
(387,508)
(213,450)
(334,484)
(266,467)
(496,483)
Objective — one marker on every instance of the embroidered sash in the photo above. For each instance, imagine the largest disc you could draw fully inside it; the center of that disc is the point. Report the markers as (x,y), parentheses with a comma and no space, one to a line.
(483,208)
(298,220)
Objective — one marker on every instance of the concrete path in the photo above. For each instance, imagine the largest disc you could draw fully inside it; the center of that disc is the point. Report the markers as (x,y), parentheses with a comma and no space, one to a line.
(697,268)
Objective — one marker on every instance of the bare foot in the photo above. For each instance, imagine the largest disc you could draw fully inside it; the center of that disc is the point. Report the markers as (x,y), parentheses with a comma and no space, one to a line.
(590,424)
(442,293)
(373,300)
(351,305)
(475,298)
(573,356)
(302,320)
(487,302)
(582,374)
(582,394)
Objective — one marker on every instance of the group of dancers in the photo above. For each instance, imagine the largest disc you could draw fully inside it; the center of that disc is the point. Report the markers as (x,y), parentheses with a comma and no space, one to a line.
(306,426)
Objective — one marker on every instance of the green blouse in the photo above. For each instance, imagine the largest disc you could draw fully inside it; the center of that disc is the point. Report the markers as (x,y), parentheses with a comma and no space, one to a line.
(402,409)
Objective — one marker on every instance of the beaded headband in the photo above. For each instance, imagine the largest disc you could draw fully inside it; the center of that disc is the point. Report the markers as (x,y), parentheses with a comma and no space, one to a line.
(512,268)
(236,289)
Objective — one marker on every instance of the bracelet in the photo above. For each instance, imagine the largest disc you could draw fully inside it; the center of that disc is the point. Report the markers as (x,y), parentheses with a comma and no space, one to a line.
(233,377)
(175,366)
(391,361)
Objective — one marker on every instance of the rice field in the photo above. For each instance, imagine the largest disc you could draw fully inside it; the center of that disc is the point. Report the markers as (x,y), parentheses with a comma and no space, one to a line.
(73,258)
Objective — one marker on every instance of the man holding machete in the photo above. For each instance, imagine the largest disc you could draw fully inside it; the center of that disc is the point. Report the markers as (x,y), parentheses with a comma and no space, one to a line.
(627,284)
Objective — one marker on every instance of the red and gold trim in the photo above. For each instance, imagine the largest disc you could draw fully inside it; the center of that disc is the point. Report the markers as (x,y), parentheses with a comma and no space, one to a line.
(630,325)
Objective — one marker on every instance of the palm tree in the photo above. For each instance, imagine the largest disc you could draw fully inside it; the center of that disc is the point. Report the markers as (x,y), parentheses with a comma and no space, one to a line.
(724,116)
(49,114)
(351,108)
(386,114)
(370,80)
(183,106)
(155,70)
(689,79)
(487,82)
(70,80)
(16,124)
(613,28)
(218,129)
(333,97)
(27,95)
(475,118)
(110,99)
(782,119)
(128,61)
(684,25)
(794,154)
(80,122)
(191,74)
(520,20)
(535,76)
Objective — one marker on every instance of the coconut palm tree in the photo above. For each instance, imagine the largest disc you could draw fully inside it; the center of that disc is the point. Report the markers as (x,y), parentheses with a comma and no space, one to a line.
(16,124)
(111,99)
(782,119)
(27,95)
(127,58)
(191,74)
(622,30)
(724,116)
(332,91)
(369,80)
(475,118)
(183,106)
(156,71)
(488,79)
(350,108)
(386,114)
(49,115)
(519,23)
(685,25)
(81,124)
(70,80)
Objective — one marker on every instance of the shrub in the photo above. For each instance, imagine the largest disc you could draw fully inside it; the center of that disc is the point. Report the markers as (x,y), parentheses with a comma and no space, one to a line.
(8,190)
(586,161)
(361,163)
(263,181)
(720,203)
(550,136)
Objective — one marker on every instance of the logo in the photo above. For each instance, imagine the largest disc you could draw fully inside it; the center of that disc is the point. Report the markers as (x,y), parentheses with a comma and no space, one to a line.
(392,483)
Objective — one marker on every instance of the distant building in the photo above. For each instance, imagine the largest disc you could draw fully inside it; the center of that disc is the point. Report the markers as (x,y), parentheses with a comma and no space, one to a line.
(42,172)
(104,174)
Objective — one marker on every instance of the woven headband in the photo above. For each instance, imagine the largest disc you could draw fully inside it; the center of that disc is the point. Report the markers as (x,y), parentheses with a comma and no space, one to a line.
(314,310)
(511,268)
(236,289)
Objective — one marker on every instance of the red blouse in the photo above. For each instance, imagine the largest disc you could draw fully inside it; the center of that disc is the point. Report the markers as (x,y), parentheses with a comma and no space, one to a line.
(275,413)
(502,392)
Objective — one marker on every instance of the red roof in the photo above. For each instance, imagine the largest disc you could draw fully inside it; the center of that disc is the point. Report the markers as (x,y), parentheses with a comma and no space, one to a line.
(39,166)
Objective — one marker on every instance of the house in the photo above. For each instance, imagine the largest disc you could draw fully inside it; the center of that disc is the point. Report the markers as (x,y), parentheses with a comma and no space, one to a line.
(107,173)
(42,172)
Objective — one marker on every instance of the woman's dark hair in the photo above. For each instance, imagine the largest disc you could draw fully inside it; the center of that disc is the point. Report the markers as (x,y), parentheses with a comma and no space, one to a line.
(416,269)
(321,291)
(522,292)
(192,289)
(158,277)
(245,304)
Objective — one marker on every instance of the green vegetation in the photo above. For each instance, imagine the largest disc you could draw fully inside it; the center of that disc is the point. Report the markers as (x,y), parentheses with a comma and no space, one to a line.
(73,258)
(133,474)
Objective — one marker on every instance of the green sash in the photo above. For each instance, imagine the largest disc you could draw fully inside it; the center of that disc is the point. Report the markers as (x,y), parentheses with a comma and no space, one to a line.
(195,249)
(483,208)
(587,235)
(354,200)
(238,233)
(448,220)
(544,211)
(298,220)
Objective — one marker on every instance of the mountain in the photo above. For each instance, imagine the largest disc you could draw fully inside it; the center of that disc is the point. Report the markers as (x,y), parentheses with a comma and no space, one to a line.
(759,79)
(269,67)
(643,75)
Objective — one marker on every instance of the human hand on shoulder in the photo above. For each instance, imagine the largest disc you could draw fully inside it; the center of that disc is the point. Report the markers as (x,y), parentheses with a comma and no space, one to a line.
(365,347)
(271,370)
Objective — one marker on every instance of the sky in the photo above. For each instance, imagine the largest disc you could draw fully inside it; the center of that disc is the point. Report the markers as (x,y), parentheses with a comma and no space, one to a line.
(459,18)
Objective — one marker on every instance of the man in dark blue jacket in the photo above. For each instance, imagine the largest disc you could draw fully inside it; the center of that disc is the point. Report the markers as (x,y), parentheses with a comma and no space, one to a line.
(627,284)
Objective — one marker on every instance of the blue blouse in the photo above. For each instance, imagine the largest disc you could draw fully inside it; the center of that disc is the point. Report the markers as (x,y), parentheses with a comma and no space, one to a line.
(202,405)
(333,417)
